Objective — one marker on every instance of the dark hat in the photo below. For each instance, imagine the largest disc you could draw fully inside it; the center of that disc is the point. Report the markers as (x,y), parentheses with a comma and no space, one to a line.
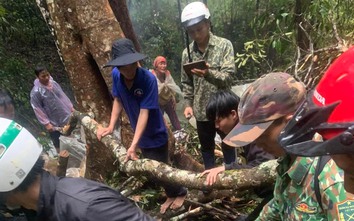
(270,97)
(124,53)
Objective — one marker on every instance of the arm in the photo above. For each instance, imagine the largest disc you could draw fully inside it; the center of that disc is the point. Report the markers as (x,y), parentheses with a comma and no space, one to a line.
(212,174)
(116,110)
(270,211)
(188,88)
(336,201)
(38,109)
(187,83)
(254,156)
(223,76)
(140,128)
(114,207)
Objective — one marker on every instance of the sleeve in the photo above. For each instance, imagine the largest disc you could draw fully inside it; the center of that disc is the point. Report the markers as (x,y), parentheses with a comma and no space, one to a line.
(38,108)
(338,202)
(172,84)
(115,78)
(114,207)
(256,156)
(187,82)
(151,98)
(223,77)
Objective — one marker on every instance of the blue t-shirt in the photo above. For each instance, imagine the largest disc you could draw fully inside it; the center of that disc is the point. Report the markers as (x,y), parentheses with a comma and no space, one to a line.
(142,95)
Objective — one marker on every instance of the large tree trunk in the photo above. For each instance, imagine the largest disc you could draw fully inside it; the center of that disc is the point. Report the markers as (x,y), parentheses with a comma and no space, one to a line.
(84,32)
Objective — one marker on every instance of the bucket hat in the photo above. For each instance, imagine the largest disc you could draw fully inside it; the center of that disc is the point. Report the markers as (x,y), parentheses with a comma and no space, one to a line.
(124,53)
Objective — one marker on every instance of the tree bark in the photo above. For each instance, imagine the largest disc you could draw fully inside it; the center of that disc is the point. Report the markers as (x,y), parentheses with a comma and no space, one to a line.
(262,175)
(84,31)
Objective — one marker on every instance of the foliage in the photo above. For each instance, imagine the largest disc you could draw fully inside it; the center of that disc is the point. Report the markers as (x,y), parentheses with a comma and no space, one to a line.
(21,21)
(159,30)
(265,34)
(11,70)
(25,41)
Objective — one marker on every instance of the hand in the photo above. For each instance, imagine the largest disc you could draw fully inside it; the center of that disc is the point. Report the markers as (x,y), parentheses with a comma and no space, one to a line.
(201,72)
(103,131)
(212,174)
(49,127)
(131,154)
(188,112)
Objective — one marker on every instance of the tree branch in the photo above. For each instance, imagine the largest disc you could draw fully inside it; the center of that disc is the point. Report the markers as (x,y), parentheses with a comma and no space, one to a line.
(262,175)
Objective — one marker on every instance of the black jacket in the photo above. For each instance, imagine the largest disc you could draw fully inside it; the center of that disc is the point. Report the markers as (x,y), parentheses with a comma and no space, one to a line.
(250,156)
(76,199)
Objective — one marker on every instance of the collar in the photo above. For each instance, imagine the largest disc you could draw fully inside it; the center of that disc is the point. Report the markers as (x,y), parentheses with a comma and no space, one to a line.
(298,170)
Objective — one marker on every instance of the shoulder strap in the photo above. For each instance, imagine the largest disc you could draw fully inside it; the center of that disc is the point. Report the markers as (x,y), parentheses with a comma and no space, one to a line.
(322,161)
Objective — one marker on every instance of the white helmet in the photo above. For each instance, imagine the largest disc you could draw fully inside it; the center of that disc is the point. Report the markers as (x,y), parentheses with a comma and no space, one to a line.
(19,151)
(194,13)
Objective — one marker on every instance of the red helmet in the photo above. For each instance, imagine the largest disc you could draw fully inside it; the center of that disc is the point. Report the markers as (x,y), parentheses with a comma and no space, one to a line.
(329,110)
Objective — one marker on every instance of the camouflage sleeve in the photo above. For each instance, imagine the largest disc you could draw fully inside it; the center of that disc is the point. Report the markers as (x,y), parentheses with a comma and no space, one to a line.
(271,209)
(187,82)
(338,202)
(270,212)
(223,76)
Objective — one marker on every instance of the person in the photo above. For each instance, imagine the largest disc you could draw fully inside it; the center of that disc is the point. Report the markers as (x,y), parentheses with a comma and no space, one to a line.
(222,109)
(7,107)
(265,108)
(25,183)
(197,87)
(7,110)
(135,90)
(50,104)
(168,90)
(329,112)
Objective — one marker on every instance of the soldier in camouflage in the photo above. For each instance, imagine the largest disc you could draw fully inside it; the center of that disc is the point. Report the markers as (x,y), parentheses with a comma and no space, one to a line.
(330,106)
(265,109)
(197,87)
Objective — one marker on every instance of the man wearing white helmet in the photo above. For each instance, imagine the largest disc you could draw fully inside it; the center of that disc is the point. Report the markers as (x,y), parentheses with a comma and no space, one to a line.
(218,53)
(25,183)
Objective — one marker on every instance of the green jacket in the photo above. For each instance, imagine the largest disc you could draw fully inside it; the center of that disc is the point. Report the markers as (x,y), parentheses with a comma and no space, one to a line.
(219,54)
(294,193)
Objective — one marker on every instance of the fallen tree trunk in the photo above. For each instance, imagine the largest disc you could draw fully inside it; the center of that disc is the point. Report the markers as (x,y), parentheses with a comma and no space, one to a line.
(262,175)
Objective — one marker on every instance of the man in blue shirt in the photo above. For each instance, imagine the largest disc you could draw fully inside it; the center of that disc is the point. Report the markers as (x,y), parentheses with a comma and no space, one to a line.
(135,90)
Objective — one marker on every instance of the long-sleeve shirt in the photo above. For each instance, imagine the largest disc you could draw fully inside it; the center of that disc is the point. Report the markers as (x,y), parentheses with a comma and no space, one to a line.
(294,193)
(77,199)
(248,157)
(50,103)
(219,54)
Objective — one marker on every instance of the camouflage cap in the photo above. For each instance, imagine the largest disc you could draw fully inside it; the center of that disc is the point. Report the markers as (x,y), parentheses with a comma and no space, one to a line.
(270,97)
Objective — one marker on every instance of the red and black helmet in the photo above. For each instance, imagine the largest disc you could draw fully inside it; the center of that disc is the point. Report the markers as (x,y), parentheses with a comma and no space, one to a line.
(329,111)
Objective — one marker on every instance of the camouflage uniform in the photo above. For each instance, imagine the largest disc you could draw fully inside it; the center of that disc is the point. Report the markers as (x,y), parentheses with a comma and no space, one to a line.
(295,198)
(219,54)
